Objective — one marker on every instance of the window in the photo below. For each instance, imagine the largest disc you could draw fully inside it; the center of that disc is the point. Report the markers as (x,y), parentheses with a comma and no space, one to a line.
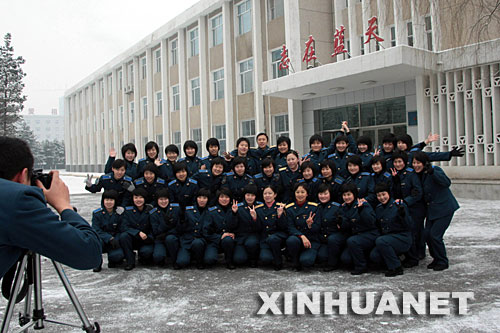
(131,75)
(428,32)
(218,79)
(275,61)
(409,28)
(246,76)
(120,80)
(193,42)
(102,119)
(248,131)
(393,36)
(110,118)
(217,30)
(195,92)
(159,141)
(176,104)
(101,88)
(110,84)
(276,9)
(176,139)
(121,116)
(143,68)
(219,132)
(159,106)
(173,52)
(362,41)
(244,17)
(144,107)
(158,60)
(196,137)
(132,118)
(281,126)
(348,46)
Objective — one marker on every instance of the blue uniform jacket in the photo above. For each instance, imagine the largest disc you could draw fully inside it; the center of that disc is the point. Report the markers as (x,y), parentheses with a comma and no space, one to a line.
(406,186)
(261,180)
(340,160)
(268,222)
(317,156)
(357,219)
(193,164)
(106,225)
(166,170)
(142,163)
(312,186)
(328,214)
(108,182)
(243,222)
(192,227)
(184,193)
(389,220)
(437,194)
(220,220)
(157,184)
(27,223)
(288,180)
(164,220)
(382,177)
(131,167)
(236,184)
(280,160)
(366,157)
(365,184)
(335,183)
(135,221)
(297,216)
(207,180)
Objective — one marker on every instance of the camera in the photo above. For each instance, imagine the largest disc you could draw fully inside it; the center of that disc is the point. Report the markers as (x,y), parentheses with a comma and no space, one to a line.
(44,178)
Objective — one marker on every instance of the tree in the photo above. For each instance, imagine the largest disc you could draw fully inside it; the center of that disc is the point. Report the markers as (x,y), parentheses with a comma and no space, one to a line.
(24,132)
(11,88)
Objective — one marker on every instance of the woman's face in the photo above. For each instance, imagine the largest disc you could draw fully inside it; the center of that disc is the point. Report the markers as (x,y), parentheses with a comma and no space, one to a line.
(239,169)
(243,148)
(316,146)
(324,196)
(348,197)
(269,195)
(262,141)
(138,201)
(268,170)
(109,203)
(292,161)
(190,151)
(149,176)
(402,146)
(213,150)
(326,172)
(202,201)
(307,173)
(362,147)
(181,175)
(283,147)
(152,153)
(341,146)
(353,168)
(163,202)
(383,197)
(129,155)
(217,169)
(417,166)
(300,194)
(399,164)
(224,200)
(250,198)
(377,167)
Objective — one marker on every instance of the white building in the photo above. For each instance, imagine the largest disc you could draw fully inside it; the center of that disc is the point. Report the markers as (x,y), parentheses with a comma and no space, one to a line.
(46,127)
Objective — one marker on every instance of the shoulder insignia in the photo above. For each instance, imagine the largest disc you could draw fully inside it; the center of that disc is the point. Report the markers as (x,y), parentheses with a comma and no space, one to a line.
(127,178)
(300,180)
(246,174)
(371,153)
(388,175)
(312,204)
(203,158)
(306,155)
(339,180)
(415,149)
(142,159)
(173,204)
(163,161)
(139,181)
(193,181)
(106,177)
(282,169)
(129,207)
(258,203)
(229,173)
(97,210)
(324,148)
(379,205)
(335,203)
(240,204)
(160,181)
(182,159)
(365,174)
(331,155)
(203,171)
(259,175)
(409,169)
(315,180)
(172,182)
(211,209)
(153,210)
(350,154)
(258,206)
(189,207)
(290,205)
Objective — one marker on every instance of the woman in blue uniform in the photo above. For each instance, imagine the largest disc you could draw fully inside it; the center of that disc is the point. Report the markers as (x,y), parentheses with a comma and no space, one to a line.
(219,230)
(151,182)
(272,226)
(380,173)
(441,206)
(303,228)
(358,220)
(164,218)
(211,178)
(245,228)
(308,172)
(191,232)
(284,145)
(183,189)
(192,161)
(129,153)
(289,175)
(363,180)
(138,234)
(268,176)
(106,221)
(237,179)
(393,221)
(152,150)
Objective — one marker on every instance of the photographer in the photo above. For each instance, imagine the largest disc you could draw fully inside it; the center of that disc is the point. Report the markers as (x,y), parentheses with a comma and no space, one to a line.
(27,223)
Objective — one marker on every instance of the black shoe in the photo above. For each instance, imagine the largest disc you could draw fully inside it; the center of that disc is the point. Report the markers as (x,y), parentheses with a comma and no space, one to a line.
(394,272)
(278,267)
(297,268)
(129,267)
(410,264)
(359,271)
(329,268)
(112,265)
(438,268)
(253,263)
(200,266)
(176,267)
(230,266)
(97,269)
(432,265)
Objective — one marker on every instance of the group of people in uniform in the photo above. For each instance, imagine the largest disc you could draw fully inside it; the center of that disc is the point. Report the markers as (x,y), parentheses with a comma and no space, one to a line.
(341,205)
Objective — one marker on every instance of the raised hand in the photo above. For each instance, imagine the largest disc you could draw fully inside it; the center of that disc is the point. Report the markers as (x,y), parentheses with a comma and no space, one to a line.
(228,156)
(377,152)
(112,152)
(280,209)
(88,180)
(306,242)
(431,138)
(253,213)
(303,159)
(345,128)
(394,172)
(310,220)
(158,162)
(235,206)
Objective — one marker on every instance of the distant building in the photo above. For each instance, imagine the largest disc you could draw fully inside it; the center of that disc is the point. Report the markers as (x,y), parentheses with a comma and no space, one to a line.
(46,127)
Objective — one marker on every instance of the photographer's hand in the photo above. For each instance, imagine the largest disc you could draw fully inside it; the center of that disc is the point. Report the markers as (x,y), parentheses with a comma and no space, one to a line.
(58,194)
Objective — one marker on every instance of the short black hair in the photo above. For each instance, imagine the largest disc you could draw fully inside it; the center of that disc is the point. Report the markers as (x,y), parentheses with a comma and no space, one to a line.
(302,184)
(129,146)
(350,187)
(292,152)
(406,138)
(110,194)
(172,149)
(421,157)
(325,187)
(151,167)
(250,188)
(139,191)
(267,162)
(272,187)
(212,142)
(225,191)
(341,137)
(119,163)
(382,187)
(218,160)
(203,192)
(356,160)
(179,166)
(400,154)
(190,144)
(239,160)
(316,137)
(365,140)
(240,140)
(328,164)
(310,165)
(152,144)
(389,138)
(162,193)
(262,133)
(16,155)
(285,139)
(380,159)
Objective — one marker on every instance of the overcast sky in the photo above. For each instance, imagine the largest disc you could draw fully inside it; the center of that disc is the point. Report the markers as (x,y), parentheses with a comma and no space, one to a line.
(63,41)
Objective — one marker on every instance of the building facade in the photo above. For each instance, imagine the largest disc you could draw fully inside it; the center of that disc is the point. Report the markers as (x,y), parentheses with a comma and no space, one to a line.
(213,71)
(46,127)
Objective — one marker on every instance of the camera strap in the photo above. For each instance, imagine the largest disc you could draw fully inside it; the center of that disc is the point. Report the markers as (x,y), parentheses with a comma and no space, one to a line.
(8,281)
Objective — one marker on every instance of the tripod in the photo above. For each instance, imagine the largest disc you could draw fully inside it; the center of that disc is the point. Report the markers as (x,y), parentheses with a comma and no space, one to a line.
(31,264)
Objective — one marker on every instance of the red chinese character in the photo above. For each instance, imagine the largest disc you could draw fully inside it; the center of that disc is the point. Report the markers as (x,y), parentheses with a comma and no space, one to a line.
(371,32)
(285,61)
(338,46)
(310,53)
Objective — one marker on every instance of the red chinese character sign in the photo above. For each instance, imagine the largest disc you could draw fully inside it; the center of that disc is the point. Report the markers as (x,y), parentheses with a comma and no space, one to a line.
(310,53)
(338,47)
(371,32)
(285,61)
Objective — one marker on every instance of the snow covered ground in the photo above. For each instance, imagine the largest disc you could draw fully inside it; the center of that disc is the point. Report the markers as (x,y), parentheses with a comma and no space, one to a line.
(150,299)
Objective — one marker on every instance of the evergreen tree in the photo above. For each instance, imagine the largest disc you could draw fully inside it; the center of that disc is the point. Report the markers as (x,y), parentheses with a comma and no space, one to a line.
(11,88)
(24,132)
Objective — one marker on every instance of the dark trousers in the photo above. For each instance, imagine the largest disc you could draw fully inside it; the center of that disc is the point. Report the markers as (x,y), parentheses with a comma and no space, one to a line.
(130,243)
(299,254)
(388,247)
(358,247)
(270,249)
(246,248)
(227,245)
(434,232)
(417,248)
(197,250)
(115,256)
(330,251)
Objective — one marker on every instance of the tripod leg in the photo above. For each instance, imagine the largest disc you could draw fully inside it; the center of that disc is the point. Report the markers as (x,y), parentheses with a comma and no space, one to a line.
(88,327)
(38,312)
(25,316)
(12,300)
